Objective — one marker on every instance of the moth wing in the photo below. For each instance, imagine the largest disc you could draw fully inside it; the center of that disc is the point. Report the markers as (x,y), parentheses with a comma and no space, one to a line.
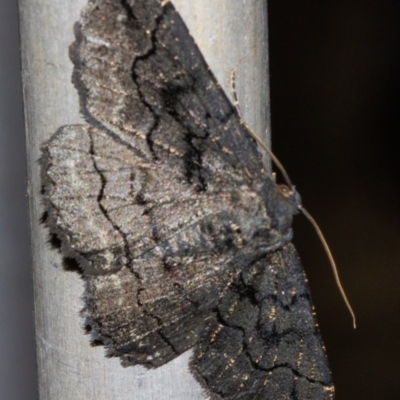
(263,341)
(141,75)
(161,179)
(159,197)
(156,253)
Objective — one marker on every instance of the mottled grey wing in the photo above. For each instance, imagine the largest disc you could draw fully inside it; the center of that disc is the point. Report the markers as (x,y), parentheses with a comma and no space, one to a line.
(158,198)
(263,341)
(141,75)
(163,200)
(156,252)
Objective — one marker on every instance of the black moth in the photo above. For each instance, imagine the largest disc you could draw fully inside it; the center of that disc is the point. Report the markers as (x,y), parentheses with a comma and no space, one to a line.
(182,236)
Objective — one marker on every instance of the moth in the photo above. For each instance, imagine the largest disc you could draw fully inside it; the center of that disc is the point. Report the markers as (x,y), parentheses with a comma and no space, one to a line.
(183,238)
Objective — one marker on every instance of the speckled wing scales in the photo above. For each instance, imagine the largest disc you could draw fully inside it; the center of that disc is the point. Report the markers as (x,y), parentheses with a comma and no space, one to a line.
(262,342)
(140,74)
(142,198)
(179,231)
(156,252)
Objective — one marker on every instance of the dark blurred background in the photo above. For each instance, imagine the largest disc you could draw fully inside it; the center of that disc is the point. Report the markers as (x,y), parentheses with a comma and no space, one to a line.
(335,93)
(335,96)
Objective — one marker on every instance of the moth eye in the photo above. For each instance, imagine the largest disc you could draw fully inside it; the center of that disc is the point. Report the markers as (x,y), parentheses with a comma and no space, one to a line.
(284,190)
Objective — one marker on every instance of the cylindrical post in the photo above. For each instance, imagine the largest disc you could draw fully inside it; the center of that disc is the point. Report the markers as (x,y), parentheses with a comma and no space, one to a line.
(230,35)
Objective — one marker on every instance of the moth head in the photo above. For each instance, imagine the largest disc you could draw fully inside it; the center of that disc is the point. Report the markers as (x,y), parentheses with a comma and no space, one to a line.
(291,195)
(282,203)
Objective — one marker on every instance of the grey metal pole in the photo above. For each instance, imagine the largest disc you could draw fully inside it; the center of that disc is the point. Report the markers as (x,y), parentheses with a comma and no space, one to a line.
(231,34)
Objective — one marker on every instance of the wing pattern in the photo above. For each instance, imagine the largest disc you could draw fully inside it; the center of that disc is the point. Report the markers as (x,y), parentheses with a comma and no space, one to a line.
(182,236)
(263,342)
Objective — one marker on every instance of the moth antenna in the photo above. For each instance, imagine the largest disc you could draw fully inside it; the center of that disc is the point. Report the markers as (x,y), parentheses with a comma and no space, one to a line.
(331,260)
(254,135)
(273,158)
(291,187)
